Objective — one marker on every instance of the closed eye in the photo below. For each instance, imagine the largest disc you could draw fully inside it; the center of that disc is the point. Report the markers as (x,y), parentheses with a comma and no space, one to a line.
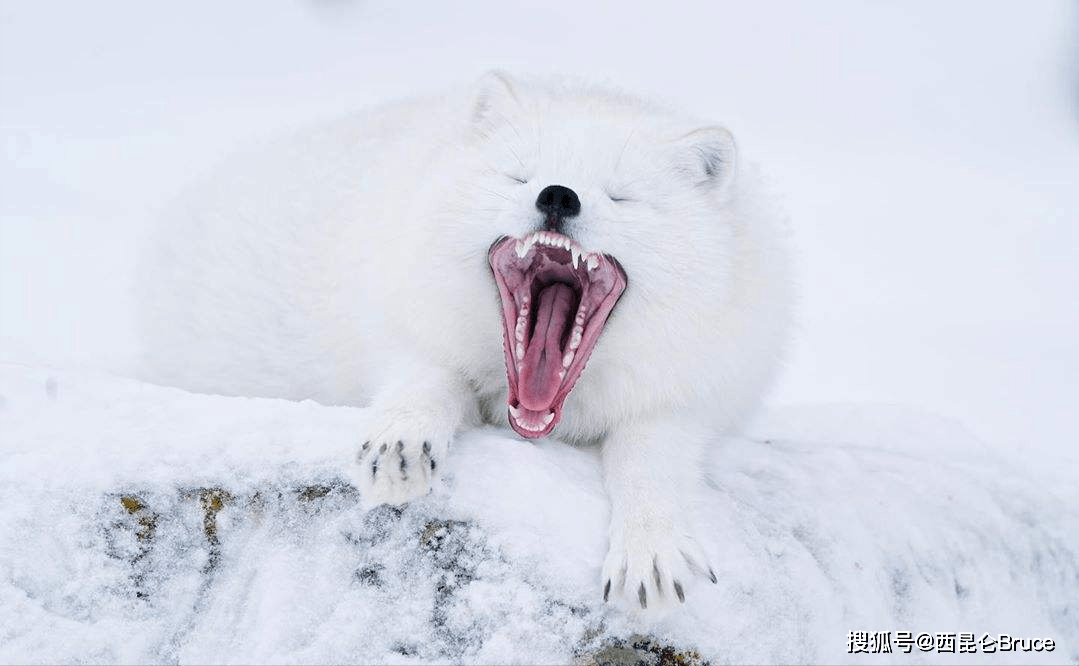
(619,199)
(522,181)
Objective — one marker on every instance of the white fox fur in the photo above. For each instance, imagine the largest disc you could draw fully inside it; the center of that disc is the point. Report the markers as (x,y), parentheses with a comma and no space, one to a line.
(348,264)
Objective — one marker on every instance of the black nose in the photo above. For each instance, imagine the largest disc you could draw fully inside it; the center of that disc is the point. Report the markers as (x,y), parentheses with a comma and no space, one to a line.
(557,202)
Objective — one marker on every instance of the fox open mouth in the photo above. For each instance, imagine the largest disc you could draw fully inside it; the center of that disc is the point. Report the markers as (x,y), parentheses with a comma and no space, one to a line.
(556,298)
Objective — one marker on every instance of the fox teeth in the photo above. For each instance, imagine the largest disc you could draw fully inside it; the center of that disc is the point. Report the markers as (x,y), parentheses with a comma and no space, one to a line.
(523,247)
(532,427)
(520,351)
(550,239)
(575,339)
(567,359)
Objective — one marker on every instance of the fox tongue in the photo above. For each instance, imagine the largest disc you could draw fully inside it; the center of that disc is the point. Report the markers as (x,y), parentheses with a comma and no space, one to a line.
(542,362)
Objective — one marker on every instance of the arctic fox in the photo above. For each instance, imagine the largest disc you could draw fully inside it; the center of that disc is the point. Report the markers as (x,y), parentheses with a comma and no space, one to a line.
(570,260)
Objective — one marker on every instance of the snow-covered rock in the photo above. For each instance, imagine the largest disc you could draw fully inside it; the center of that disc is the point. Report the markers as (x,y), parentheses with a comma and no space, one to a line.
(146,524)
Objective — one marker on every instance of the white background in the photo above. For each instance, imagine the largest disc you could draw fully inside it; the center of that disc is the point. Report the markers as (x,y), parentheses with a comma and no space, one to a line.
(928,153)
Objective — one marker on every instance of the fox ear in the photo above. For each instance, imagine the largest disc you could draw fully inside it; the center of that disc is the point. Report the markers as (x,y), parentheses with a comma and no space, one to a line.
(707,156)
(494,97)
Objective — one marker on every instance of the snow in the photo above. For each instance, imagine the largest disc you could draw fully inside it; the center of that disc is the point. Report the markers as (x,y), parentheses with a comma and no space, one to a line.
(827,519)
(928,155)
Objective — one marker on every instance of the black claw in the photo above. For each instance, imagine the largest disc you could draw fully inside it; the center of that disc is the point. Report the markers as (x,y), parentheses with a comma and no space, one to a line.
(366,445)
(432,464)
(691,562)
(400,446)
(404,468)
(427,447)
(606,590)
(679,592)
(712,574)
(642,596)
(374,469)
(382,449)
(655,573)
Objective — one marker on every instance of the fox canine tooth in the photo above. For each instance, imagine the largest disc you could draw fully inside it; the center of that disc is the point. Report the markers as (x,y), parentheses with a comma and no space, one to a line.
(575,252)
(593,262)
(525,246)
(547,419)
(515,412)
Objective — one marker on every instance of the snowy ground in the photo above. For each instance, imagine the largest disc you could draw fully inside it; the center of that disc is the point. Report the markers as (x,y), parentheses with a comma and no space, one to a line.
(929,155)
(146,524)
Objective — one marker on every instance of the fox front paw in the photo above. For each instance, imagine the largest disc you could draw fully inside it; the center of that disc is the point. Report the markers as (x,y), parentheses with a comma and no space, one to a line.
(395,470)
(651,568)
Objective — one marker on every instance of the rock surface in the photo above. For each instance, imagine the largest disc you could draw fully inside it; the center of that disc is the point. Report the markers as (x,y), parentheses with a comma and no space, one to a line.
(146,524)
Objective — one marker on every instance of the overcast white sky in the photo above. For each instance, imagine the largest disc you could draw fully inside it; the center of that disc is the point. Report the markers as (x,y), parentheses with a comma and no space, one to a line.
(928,154)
